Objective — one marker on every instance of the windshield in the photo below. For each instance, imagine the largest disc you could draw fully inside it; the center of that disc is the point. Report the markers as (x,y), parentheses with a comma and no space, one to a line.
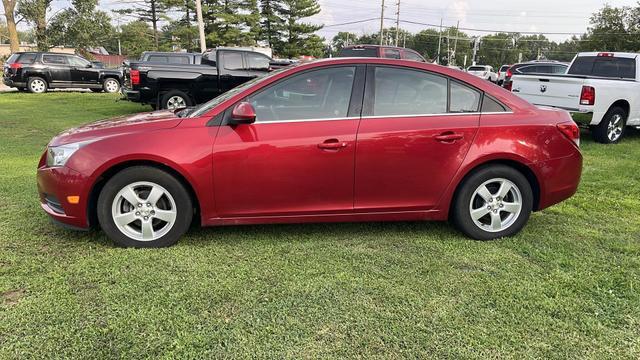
(204,108)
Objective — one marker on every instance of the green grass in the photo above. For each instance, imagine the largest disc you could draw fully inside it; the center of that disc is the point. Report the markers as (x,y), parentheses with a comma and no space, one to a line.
(566,287)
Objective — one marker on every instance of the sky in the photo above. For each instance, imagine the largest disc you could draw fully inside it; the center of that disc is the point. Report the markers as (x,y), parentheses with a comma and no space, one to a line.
(555,16)
(546,16)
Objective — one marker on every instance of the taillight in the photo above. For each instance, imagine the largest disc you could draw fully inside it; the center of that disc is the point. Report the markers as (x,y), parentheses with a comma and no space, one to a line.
(588,95)
(604,54)
(509,73)
(571,131)
(15,66)
(135,77)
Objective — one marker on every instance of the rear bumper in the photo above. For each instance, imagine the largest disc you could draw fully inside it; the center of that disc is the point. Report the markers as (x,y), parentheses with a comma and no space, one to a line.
(55,185)
(559,179)
(131,95)
(11,83)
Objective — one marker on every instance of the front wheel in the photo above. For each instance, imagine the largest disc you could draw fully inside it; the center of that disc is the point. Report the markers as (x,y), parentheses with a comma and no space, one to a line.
(612,127)
(144,207)
(111,85)
(493,202)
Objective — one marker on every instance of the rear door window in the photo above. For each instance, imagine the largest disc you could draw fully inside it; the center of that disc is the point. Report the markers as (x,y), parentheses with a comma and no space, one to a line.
(178,60)
(463,98)
(408,92)
(232,60)
(258,61)
(158,59)
(54,59)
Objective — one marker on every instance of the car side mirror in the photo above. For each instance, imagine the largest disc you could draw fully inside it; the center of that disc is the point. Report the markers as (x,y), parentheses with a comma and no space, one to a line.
(89,66)
(243,113)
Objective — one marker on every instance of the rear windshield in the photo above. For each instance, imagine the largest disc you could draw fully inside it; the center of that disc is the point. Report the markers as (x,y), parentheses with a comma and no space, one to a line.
(614,67)
(12,58)
(504,68)
(358,52)
(477,68)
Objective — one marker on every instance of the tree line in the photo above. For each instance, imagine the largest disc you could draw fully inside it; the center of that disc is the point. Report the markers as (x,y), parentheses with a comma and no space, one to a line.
(168,25)
(280,24)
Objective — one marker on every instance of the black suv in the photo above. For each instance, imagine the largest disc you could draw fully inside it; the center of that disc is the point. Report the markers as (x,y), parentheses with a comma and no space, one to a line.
(39,71)
(534,67)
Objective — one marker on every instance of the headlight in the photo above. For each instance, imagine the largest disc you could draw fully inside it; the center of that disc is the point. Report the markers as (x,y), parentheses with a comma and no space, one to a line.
(59,155)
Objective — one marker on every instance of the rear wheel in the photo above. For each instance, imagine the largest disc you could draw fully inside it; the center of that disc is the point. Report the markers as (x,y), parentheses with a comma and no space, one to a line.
(493,202)
(175,99)
(144,207)
(37,85)
(612,127)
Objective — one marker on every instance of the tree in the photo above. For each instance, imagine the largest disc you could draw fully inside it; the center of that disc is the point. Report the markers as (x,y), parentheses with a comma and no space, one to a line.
(271,24)
(231,22)
(150,11)
(136,37)
(611,29)
(35,12)
(343,39)
(299,37)
(81,26)
(12,33)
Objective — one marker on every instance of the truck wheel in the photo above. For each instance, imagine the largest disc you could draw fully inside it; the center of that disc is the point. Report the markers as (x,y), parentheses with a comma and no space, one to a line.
(175,99)
(37,85)
(612,127)
(111,85)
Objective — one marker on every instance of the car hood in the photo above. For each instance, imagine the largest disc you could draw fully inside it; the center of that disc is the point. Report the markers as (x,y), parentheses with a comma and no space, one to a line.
(117,126)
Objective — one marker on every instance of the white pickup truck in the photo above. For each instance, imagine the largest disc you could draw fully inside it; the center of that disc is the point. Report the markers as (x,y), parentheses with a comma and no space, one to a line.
(605,85)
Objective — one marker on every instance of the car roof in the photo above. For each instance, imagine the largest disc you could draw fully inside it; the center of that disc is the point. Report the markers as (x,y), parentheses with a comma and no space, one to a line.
(371,46)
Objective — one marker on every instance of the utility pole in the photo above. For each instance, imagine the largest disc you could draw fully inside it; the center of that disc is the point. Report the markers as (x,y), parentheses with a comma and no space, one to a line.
(398,24)
(448,47)
(476,42)
(455,43)
(439,42)
(382,25)
(203,41)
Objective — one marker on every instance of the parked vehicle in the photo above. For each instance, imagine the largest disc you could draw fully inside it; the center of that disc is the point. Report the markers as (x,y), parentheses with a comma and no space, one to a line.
(39,71)
(605,86)
(171,85)
(377,51)
(534,67)
(318,143)
(502,74)
(456,67)
(484,72)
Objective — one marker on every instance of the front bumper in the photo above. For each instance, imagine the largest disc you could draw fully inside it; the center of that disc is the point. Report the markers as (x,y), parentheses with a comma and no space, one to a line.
(55,185)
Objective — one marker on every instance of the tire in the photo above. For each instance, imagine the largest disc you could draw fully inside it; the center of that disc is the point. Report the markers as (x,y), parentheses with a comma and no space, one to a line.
(96,90)
(111,85)
(612,128)
(468,200)
(175,99)
(37,85)
(141,225)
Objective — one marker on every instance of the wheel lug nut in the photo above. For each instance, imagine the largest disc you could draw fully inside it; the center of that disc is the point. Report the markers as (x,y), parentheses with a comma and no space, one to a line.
(146,218)
(488,207)
(139,205)
(138,213)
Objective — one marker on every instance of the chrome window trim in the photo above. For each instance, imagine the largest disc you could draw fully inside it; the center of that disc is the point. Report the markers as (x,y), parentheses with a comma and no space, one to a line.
(383,117)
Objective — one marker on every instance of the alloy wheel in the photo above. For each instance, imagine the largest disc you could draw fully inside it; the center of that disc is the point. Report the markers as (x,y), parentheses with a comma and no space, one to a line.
(144,211)
(38,86)
(176,102)
(111,86)
(615,128)
(496,205)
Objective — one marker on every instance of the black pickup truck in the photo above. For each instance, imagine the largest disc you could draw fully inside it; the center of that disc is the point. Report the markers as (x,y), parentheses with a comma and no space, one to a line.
(39,71)
(172,84)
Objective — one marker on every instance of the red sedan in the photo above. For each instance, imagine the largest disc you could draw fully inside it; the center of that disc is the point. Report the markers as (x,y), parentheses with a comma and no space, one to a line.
(328,141)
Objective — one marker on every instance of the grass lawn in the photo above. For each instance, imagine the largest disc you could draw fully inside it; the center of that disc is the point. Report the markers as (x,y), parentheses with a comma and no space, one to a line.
(567,287)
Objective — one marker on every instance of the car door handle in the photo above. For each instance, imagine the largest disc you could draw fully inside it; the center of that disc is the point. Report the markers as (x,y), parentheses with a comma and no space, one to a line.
(449,137)
(332,144)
